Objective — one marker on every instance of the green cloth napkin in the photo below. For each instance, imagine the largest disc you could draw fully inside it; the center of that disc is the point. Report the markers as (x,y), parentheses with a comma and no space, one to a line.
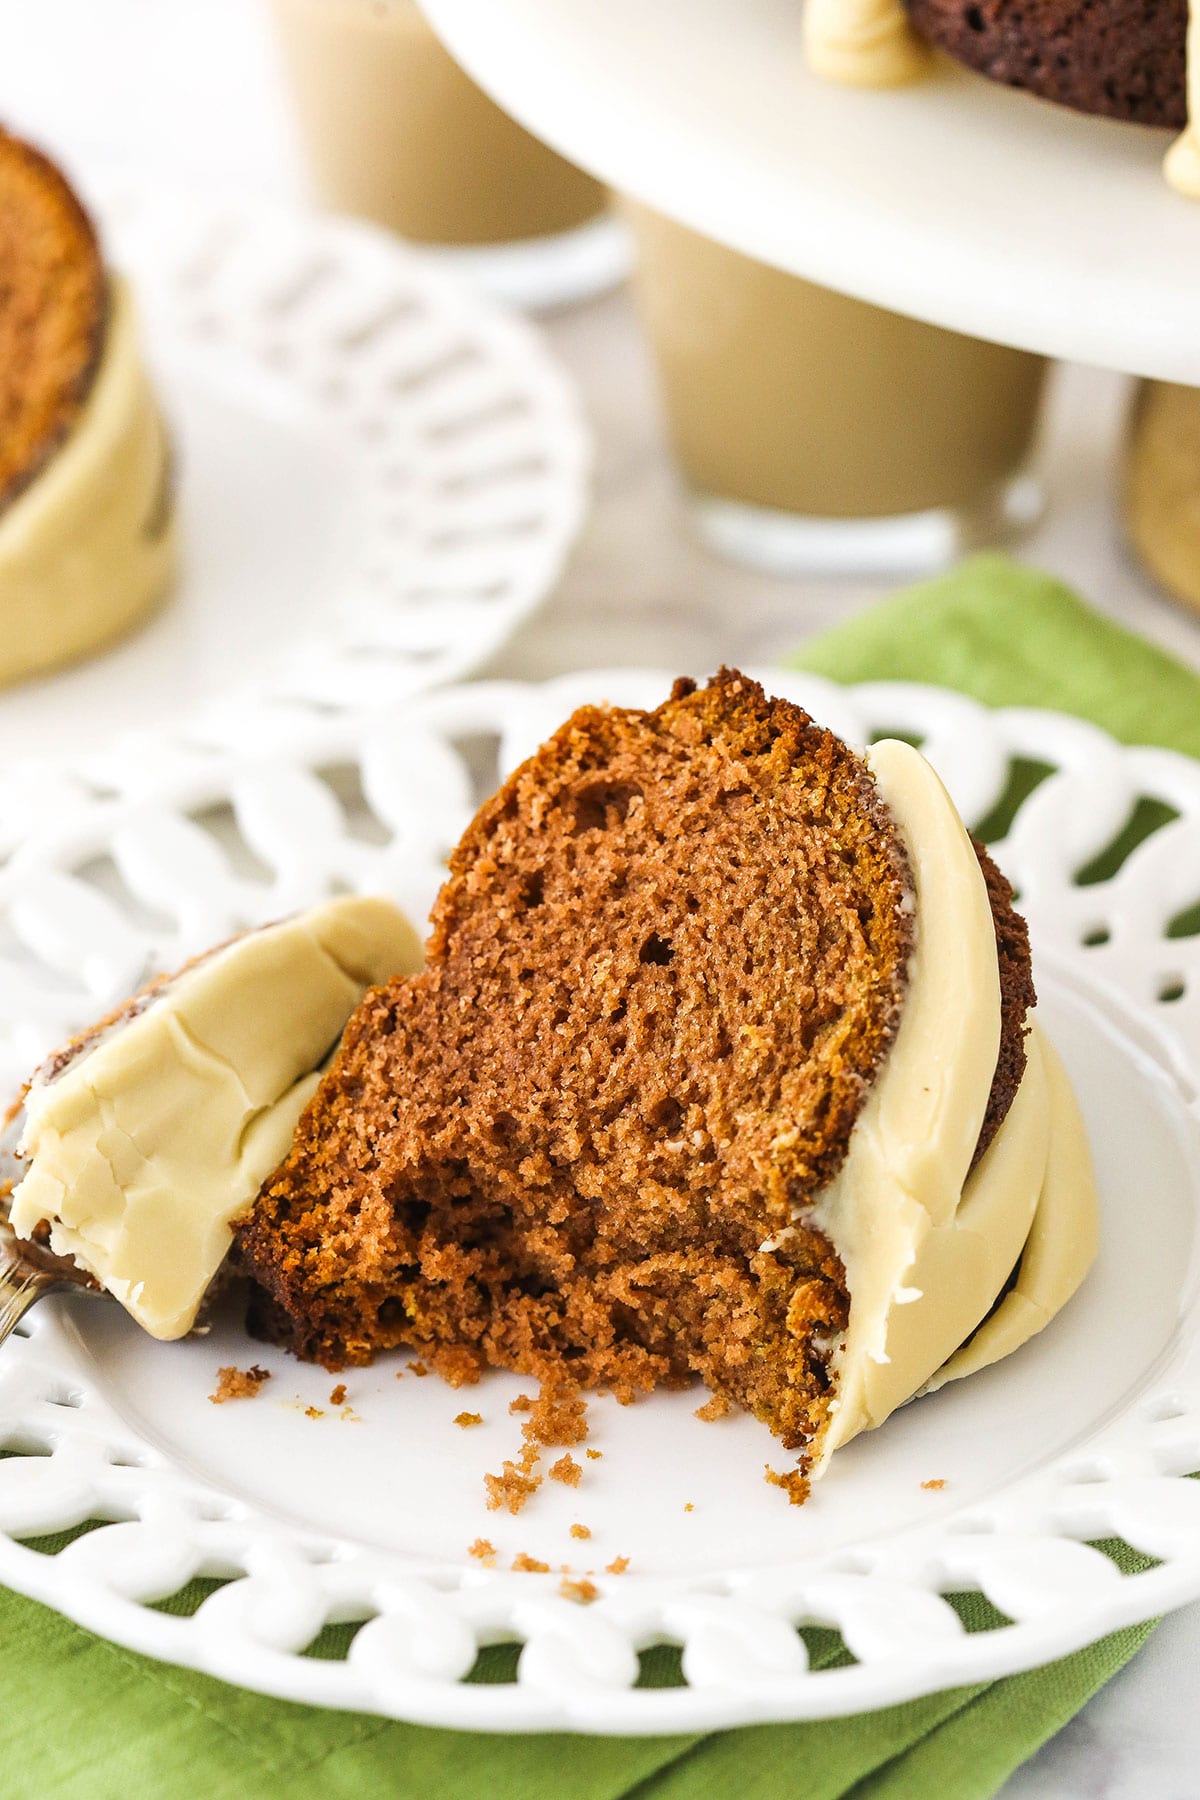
(87,1721)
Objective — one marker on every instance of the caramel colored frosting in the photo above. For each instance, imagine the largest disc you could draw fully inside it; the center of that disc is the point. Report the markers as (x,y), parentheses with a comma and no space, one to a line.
(89,546)
(929,1243)
(864,43)
(1062,1242)
(146,1142)
(1182,163)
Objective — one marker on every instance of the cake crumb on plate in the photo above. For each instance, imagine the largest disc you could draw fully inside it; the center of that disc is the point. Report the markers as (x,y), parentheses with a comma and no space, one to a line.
(936,1484)
(794,1483)
(238,1384)
(466,1419)
(484,1550)
(594,1455)
(557,1416)
(617,1566)
(511,1488)
(529,1565)
(581,1531)
(581,1590)
(566,1470)
(338,1396)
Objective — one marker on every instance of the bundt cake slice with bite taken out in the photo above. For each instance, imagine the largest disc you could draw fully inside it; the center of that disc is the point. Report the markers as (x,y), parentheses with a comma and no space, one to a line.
(719,1025)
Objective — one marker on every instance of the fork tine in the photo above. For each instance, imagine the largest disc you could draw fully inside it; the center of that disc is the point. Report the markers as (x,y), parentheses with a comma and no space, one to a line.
(20,1286)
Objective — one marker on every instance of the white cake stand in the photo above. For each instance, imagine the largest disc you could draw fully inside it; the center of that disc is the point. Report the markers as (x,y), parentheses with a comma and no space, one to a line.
(955,201)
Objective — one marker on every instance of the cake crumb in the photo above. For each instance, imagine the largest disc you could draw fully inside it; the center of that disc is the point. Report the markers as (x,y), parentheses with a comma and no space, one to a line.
(348,1413)
(688,1507)
(314,1412)
(714,1408)
(338,1396)
(557,1416)
(511,1488)
(580,1531)
(594,1455)
(521,1404)
(617,1566)
(794,1483)
(238,1384)
(566,1470)
(529,1565)
(466,1419)
(484,1550)
(418,1368)
(935,1485)
(582,1591)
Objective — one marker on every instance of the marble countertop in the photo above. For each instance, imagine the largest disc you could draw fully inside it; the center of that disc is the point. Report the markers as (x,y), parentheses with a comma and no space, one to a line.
(192,85)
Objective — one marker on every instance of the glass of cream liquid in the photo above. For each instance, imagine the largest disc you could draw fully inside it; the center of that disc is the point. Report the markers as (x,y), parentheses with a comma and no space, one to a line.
(818,434)
(395,132)
(1160,485)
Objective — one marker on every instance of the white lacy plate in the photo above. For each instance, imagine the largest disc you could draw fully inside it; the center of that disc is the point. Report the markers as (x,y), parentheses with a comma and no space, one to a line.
(380,475)
(1087,1433)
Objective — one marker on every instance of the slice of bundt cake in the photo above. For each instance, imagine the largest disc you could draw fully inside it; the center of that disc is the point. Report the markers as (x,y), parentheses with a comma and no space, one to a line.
(86,543)
(719,1026)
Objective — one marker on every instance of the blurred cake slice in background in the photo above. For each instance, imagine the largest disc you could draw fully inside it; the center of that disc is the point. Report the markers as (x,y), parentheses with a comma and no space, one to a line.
(87,543)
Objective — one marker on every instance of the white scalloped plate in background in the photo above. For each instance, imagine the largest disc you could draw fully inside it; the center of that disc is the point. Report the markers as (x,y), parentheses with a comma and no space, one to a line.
(379,474)
(1089,1432)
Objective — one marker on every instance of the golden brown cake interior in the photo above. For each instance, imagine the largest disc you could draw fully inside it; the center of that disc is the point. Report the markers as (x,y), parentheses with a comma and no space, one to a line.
(671,954)
(53,301)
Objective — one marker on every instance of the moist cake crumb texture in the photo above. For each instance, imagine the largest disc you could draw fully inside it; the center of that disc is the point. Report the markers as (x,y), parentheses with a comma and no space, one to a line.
(668,961)
(715,1408)
(566,1470)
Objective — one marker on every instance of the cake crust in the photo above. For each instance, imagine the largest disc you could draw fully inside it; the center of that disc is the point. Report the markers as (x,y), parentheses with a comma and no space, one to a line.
(53,311)
(1018,997)
(1123,59)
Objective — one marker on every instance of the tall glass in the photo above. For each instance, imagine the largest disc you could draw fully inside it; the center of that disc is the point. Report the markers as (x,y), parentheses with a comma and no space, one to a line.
(817,432)
(1161,485)
(394,131)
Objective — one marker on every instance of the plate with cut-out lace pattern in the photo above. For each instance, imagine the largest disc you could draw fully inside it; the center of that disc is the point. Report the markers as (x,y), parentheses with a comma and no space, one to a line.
(379,474)
(299,1519)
